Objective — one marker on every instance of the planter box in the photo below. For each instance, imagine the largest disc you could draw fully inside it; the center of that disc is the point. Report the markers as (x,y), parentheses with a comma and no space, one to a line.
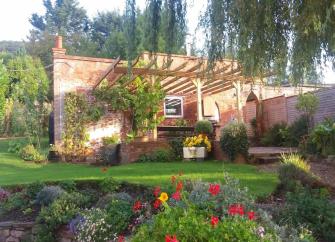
(198,153)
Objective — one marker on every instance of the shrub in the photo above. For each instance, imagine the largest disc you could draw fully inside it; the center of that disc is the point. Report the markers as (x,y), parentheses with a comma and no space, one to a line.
(93,226)
(158,155)
(119,214)
(60,212)
(323,137)
(191,225)
(48,194)
(114,139)
(105,200)
(15,201)
(14,146)
(311,209)
(203,127)
(110,154)
(294,171)
(297,130)
(275,136)
(108,184)
(69,185)
(234,140)
(33,189)
(30,153)
(177,147)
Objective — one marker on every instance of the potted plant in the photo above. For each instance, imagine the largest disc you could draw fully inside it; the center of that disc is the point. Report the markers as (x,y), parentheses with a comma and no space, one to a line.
(196,147)
(110,149)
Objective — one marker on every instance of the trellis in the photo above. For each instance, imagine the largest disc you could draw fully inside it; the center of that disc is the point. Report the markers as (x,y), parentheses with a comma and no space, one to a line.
(182,76)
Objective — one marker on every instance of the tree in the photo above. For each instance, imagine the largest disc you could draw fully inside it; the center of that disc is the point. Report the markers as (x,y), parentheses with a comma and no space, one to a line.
(64,17)
(291,37)
(4,81)
(308,103)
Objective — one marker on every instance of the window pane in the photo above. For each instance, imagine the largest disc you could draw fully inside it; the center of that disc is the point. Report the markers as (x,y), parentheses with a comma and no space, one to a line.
(173,107)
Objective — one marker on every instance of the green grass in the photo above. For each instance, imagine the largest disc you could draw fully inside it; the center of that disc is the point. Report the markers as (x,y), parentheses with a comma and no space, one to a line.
(13,170)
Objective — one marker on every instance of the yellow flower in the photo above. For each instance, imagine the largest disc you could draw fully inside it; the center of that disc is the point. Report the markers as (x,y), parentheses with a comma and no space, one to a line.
(163,197)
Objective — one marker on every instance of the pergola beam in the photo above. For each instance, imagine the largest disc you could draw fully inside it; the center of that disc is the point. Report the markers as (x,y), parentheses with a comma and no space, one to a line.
(110,69)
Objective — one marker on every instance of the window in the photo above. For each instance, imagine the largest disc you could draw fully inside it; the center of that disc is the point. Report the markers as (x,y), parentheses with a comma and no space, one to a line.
(173,107)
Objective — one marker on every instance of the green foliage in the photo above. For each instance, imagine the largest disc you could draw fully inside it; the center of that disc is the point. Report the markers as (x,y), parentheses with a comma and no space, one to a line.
(4,81)
(192,225)
(109,185)
(48,194)
(176,145)
(308,103)
(94,226)
(271,35)
(158,155)
(119,214)
(275,136)
(144,103)
(16,201)
(15,146)
(60,212)
(323,137)
(311,209)
(33,189)
(75,136)
(68,185)
(114,139)
(203,127)
(108,198)
(294,172)
(234,140)
(30,153)
(296,131)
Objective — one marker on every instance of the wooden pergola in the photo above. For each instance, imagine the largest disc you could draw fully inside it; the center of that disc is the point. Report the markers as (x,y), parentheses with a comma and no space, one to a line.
(182,75)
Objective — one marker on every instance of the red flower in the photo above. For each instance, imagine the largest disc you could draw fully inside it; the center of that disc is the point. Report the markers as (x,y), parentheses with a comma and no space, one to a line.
(176,196)
(179,186)
(236,209)
(214,189)
(104,169)
(251,215)
(157,203)
(170,238)
(137,206)
(173,179)
(157,191)
(120,238)
(214,221)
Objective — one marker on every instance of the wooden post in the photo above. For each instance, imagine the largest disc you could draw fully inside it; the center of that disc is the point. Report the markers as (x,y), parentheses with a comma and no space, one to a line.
(198,84)
(237,86)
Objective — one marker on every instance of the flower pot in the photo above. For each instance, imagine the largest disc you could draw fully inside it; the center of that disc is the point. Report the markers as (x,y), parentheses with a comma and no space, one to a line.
(198,153)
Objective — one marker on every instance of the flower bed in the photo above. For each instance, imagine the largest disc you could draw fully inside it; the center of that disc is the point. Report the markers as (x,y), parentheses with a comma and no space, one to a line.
(109,211)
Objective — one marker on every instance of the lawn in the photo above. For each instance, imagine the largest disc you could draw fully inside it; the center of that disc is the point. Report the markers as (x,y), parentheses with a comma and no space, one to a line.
(13,170)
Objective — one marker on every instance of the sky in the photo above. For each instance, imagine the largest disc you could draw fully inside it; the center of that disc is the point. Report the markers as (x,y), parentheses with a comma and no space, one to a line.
(15,14)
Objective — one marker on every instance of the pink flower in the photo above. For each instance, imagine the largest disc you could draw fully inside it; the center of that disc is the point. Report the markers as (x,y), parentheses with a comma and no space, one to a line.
(214,221)
(176,196)
(214,189)
(251,215)
(170,238)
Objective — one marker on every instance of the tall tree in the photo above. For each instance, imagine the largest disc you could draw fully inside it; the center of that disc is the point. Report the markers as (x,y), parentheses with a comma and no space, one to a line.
(292,37)
(64,17)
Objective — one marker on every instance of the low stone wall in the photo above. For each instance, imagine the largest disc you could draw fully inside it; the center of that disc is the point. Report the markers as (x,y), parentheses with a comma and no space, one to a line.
(25,232)
(132,151)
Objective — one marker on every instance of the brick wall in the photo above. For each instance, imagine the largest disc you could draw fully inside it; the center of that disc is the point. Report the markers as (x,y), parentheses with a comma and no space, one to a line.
(132,151)
(80,74)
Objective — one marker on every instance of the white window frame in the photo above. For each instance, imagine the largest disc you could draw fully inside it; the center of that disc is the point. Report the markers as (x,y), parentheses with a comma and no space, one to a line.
(182,107)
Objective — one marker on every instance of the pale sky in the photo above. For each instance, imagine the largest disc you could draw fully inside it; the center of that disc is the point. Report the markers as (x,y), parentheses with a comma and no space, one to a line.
(15,14)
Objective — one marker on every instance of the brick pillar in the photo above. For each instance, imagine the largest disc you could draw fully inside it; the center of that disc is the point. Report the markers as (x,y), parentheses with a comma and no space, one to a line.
(57,53)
